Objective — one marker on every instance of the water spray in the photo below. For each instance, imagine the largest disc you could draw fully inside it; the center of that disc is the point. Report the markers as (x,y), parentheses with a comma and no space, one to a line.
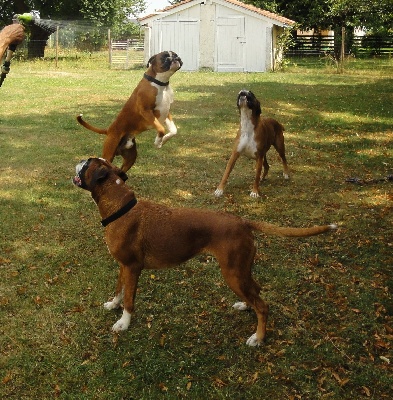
(33,18)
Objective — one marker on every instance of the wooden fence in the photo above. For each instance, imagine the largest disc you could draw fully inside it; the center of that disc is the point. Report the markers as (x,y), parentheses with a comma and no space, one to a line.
(366,46)
(126,53)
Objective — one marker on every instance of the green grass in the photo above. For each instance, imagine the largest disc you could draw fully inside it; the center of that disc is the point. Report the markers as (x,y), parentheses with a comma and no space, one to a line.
(330,328)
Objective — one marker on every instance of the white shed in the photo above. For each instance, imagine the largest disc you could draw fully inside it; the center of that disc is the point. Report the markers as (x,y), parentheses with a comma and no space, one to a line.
(222,35)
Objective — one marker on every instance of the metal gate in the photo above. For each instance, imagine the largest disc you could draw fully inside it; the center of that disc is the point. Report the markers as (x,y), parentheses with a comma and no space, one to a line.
(126,53)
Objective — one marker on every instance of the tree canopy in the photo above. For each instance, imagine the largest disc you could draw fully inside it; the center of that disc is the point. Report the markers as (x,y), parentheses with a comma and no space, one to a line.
(374,15)
(103,12)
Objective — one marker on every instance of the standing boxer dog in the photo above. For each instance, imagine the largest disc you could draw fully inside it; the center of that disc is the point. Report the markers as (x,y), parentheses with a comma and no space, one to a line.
(255,137)
(135,242)
(147,108)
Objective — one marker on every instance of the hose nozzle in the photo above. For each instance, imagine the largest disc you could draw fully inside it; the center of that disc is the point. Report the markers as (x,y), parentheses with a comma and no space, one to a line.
(27,18)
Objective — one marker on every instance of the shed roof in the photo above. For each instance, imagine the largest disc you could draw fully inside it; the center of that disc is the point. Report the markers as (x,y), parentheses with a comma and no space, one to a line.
(248,7)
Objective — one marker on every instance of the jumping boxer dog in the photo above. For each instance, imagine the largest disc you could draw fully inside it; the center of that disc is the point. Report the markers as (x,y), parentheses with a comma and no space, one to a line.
(145,235)
(147,108)
(254,138)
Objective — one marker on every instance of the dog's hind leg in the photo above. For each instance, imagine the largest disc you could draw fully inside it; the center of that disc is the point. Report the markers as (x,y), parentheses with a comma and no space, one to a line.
(265,168)
(130,278)
(129,154)
(115,303)
(280,147)
(236,270)
(109,149)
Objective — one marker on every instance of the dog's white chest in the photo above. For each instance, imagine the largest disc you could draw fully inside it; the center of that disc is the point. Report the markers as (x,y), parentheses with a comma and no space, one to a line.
(247,145)
(164,99)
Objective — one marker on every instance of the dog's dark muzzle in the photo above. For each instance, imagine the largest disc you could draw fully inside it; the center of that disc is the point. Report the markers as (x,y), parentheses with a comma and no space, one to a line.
(177,60)
(79,178)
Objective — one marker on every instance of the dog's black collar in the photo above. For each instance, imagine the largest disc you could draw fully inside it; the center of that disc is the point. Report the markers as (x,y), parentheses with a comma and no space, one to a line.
(119,213)
(151,79)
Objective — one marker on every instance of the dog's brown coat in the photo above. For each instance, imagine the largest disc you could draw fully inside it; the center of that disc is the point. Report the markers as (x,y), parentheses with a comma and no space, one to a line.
(153,236)
(254,138)
(140,113)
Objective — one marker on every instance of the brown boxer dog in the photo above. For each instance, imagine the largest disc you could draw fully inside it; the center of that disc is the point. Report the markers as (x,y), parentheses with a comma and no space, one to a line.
(254,138)
(145,235)
(148,107)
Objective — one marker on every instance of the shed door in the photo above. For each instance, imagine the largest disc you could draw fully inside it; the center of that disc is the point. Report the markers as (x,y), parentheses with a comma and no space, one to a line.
(230,44)
(180,36)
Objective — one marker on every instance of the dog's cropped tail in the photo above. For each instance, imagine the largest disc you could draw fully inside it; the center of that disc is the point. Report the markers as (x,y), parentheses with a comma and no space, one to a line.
(90,127)
(271,229)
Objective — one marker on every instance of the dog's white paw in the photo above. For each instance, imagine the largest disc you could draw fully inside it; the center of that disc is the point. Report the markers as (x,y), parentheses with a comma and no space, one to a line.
(286,176)
(218,192)
(252,341)
(123,323)
(111,305)
(167,137)
(241,306)
(172,129)
(158,142)
(254,194)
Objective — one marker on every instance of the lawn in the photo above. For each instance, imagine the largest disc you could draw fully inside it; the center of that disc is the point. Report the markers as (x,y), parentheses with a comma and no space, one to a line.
(330,332)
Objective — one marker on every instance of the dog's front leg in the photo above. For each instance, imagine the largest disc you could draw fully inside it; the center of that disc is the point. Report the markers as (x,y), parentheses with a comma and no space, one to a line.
(231,163)
(172,129)
(160,133)
(130,281)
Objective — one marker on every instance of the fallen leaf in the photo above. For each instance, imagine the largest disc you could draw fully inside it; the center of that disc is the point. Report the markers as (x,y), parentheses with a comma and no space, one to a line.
(218,382)
(162,387)
(254,378)
(7,378)
(383,358)
(57,390)
(366,391)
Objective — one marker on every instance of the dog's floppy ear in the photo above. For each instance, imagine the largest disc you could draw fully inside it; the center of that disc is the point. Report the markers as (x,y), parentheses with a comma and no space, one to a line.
(150,61)
(99,175)
(257,109)
(256,106)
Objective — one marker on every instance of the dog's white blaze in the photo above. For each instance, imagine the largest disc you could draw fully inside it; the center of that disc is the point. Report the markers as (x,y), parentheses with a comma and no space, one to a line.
(247,145)
(164,99)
